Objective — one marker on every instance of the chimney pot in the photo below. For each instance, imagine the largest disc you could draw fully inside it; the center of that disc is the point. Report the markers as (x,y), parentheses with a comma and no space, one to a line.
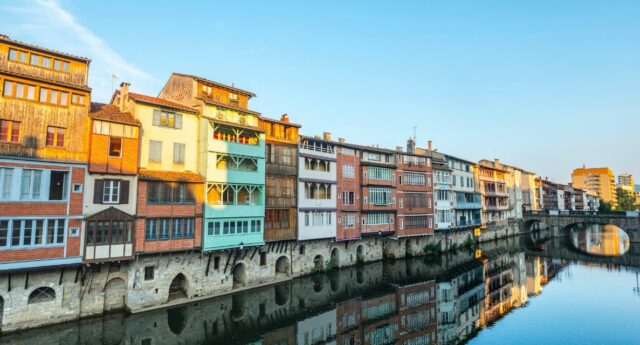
(411,145)
(430,145)
(284,118)
(326,136)
(399,148)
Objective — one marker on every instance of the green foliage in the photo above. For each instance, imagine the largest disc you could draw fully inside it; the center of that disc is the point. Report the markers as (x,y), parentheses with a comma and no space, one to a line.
(331,264)
(431,248)
(605,207)
(626,200)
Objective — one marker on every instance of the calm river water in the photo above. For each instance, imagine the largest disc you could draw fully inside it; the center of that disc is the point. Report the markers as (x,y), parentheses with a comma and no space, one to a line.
(510,291)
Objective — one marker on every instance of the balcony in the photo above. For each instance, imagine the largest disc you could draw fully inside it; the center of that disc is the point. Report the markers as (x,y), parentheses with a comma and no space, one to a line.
(319,150)
(250,150)
(234,211)
(281,169)
(468,222)
(497,207)
(236,176)
(468,205)
(281,201)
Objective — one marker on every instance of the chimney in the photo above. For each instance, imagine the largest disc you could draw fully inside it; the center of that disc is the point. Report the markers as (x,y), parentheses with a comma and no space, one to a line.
(411,146)
(584,166)
(4,37)
(497,162)
(326,136)
(124,95)
(284,118)
(429,145)
(341,140)
(399,148)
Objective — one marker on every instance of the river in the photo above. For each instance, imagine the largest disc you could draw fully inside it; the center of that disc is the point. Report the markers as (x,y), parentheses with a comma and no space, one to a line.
(511,291)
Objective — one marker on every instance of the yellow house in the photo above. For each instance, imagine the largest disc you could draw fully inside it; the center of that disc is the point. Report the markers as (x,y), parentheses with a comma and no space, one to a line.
(598,180)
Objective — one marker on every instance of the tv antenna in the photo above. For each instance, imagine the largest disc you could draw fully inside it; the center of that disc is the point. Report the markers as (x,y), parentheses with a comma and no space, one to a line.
(414,132)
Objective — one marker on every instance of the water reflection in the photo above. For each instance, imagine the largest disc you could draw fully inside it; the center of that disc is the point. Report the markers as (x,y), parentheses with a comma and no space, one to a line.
(443,300)
(598,239)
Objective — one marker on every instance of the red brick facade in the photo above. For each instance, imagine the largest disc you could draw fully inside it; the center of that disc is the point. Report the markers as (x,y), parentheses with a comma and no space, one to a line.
(408,193)
(348,161)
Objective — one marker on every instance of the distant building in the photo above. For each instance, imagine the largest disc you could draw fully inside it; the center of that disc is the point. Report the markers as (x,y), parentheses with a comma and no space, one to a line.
(492,178)
(467,200)
(598,180)
(625,181)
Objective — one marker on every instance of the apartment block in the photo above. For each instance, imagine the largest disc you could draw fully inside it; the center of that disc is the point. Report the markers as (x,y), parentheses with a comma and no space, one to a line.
(43,155)
(415,192)
(379,199)
(599,180)
(349,181)
(467,200)
(492,178)
(442,192)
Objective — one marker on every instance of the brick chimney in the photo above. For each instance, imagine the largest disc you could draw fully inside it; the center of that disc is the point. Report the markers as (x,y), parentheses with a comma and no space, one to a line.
(326,136)
(284,118)
(411,146)
(429,145)
(124,95)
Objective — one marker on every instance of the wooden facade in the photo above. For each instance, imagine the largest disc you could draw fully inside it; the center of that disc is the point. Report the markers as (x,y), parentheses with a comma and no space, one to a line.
(281,179)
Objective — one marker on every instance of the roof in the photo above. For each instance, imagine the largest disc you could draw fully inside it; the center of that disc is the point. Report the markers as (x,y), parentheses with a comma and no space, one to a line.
(354,146)
(170,176)
(286,123)
(6,39)
(459,159)
(215,83)
(109,112)
(160,102)
(219,104)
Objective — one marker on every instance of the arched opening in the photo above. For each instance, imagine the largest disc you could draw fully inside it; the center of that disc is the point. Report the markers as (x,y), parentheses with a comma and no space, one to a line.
(408,250)
(114,294)
(178,287)
(238,306)
(239,275)
(177,319)
(282,266)
(360,276)
(318,283)
(360,254)
(318,262)
(335,258)
(42,294)
(282,294)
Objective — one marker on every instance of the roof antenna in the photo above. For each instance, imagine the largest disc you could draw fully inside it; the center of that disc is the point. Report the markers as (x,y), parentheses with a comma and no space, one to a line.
(114,77)
(414,133)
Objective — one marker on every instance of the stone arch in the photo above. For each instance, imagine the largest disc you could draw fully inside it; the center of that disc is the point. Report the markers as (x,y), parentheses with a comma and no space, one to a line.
(177,319)
(239,273)
(335,258)
(42,294)
(114,293)
(178,287)
(318,262)
(281,294)
(360,254)
(282,266)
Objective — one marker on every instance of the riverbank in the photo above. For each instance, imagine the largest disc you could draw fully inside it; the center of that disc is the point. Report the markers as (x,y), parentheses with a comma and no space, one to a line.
(159,281)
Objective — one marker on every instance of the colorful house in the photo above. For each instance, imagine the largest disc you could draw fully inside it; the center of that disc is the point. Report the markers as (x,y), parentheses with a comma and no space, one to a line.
(467,201)
(379,201)
(442,191)
(492,180)
(44,103)
(415,192)
(231,157)
(111,185)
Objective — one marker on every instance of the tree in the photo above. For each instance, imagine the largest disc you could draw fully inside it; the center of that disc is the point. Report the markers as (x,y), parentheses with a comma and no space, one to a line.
(605,207)
(626,200)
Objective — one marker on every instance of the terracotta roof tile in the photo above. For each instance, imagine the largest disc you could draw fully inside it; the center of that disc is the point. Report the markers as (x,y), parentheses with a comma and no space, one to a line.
(109,112)
(215,83)
(160,102)
(171,176)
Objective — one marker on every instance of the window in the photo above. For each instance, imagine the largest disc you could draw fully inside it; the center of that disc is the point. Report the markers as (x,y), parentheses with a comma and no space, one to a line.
(320,191)
(77,99)
(348,171)
(9,131)
(443,195)
(155,151)
(415,222)
(374,157)
(317,164)
(347,198)
(148,272)
(30,184)
(276,219)
(415,199)
(115,147)
(443,216)
(109,232)
(414,179)
(206,89)
(53,97)
(263,258)
(42,294)
(178,153)
(19,90)
(166,119)
(442,177)
(6,182)
(55,136)
(376,173)
(31,232)
(376,219)
(380,196)
(233,97)
(58,183)
(18,55)
(169,228)
(301,251)
(111,191)
(349,221)
(170,193)
(317,218)
(348,151)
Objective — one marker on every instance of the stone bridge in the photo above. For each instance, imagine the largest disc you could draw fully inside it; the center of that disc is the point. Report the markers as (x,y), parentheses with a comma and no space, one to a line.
(561,221)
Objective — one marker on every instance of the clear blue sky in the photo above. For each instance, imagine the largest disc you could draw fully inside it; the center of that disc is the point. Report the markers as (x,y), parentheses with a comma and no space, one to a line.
(547,85)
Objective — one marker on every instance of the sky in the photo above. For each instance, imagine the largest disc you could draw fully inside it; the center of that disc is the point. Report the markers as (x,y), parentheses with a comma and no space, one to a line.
(543,85)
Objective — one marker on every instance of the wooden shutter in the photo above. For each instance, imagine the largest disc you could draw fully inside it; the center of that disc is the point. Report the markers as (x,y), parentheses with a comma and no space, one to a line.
(124,192)
(178,121)
(156,117)
(98,191)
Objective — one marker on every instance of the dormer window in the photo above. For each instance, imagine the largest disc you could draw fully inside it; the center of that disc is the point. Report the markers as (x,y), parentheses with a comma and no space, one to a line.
(233,97)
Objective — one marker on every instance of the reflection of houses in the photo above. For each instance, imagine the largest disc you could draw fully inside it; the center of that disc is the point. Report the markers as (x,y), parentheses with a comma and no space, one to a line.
(498,287)
(317,330)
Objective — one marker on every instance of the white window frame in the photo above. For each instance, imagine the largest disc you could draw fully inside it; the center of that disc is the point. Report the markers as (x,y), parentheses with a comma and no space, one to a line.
(111,192)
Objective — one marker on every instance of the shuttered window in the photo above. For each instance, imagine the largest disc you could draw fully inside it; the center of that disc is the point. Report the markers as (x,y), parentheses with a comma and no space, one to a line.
(167,119)
(178,153)
(111,192)
(155,151)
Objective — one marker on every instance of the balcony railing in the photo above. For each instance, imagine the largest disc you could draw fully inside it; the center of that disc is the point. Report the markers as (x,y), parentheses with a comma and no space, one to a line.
(318,148)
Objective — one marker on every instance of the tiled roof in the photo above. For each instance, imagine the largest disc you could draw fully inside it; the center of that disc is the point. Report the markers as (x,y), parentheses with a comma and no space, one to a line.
(160,102)
(5,38)
(286,123)
(219,104)
(215,83)
(171,176)
(109,112)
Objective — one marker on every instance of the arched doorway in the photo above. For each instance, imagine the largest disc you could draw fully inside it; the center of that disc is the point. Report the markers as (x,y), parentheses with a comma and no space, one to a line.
(114,293)
(360,254)
(282,266)
(178,287)
(318,262)
(335,258)
(239,275)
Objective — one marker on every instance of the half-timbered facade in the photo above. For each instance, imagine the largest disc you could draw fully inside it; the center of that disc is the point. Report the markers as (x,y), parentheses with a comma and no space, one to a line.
(281,208)
(231,157)
(44,102)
